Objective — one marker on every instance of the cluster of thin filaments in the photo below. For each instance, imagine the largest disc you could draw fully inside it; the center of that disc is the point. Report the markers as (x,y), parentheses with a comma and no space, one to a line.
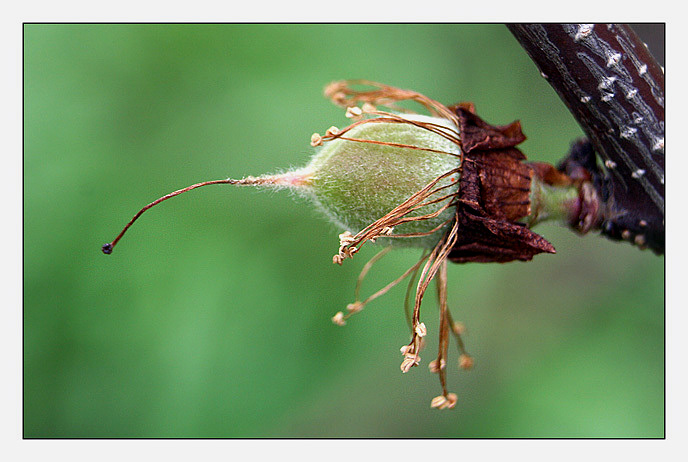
(434,264)
(383,227)
(434,267)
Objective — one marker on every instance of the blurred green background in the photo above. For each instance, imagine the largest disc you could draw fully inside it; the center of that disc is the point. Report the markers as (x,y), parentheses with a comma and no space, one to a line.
(212,316)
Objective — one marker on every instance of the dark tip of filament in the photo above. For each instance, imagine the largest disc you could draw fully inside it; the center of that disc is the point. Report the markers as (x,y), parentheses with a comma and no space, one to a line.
(107,248)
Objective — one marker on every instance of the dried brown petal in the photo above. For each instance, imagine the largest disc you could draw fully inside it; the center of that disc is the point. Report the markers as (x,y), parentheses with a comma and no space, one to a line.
(478,134)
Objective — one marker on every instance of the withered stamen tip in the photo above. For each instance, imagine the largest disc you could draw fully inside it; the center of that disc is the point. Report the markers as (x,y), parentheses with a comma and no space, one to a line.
(107,248)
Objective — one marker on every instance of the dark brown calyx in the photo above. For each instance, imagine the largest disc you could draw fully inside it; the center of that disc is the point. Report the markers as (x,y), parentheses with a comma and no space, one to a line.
(494,194)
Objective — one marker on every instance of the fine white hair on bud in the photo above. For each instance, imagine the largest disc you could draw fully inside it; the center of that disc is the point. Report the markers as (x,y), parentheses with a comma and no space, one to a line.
(362,173)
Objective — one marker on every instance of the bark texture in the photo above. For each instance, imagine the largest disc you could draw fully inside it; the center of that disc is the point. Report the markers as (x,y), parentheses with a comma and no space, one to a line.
(615,89)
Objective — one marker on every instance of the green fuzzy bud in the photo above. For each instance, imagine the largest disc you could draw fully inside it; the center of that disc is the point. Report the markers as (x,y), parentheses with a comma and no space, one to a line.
(356,183)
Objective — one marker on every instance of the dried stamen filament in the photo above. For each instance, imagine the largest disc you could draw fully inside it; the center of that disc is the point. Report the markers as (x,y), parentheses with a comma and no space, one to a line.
(358,305)
(441,282)
(342,94)
(435,260)
(397,216)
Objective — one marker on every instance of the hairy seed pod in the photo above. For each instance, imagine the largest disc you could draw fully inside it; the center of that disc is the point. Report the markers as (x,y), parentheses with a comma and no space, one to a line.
(359,177)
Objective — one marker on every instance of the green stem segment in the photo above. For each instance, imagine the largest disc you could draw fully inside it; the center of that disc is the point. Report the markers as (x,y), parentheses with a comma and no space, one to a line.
(552,202)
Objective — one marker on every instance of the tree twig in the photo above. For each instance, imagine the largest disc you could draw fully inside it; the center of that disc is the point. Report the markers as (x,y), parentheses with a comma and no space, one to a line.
(614,88)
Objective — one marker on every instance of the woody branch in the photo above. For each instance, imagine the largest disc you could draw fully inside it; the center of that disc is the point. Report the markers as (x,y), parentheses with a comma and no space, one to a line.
(614,88)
